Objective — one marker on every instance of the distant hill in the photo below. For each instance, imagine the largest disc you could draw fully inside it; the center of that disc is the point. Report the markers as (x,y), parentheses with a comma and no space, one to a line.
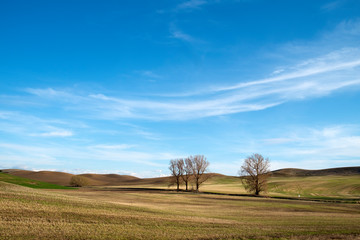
(109,179)
(60,178)
(26,182)
(63,179)
(295,172)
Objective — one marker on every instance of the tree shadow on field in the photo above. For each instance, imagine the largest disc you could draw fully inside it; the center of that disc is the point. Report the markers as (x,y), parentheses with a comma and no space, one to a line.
(144,190)
(267,198)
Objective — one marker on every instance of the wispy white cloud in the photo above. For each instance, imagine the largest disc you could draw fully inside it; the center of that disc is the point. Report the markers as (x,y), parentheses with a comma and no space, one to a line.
(304,147)
(277,140)
(333,5)
(62,133)
(149,74)
(118,146)
(48,92)
(278,71)
(349,27)
(146,134)
(178,34)
(312,148)
(311,78)
(177,110)
(20,154)
(29,125)
(191,4)
(127,155)
(53,155)
(66,95)
(343,59)
(313,164)
(4,115)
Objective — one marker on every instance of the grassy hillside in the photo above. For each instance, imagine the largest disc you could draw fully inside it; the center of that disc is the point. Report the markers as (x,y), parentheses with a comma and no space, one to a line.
(109,179)
(62,178)
(316,186)
(121,214)
(295,172)
(313,187)
(28,182)
(59,178)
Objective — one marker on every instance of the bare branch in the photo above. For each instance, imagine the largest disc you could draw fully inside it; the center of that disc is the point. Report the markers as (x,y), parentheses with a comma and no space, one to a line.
(255,172)
(199,166)
(176,170)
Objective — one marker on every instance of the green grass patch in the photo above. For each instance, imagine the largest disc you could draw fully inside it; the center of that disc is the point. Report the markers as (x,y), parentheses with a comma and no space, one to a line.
(29,182)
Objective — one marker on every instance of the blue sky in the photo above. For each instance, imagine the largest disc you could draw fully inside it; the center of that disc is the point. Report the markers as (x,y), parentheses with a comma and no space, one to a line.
(125,86)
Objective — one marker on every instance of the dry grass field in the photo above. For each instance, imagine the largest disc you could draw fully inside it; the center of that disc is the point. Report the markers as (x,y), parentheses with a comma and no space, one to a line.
(309,187)
(118,213)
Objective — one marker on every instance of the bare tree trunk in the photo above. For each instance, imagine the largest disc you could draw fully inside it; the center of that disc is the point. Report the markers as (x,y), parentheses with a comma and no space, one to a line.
(187,172)
(176,169)
(199,166)
(255,172)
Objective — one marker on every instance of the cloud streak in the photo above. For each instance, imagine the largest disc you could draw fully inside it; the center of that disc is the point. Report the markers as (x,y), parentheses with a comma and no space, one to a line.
(311,78)
(191,4)
(20,154)
(179,34)
(61,133)
(29,125)
(339,145)
(332,62)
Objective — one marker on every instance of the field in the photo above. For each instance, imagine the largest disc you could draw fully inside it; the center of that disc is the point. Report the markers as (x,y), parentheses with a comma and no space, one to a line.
(335,188)
(137,213)
(344,188)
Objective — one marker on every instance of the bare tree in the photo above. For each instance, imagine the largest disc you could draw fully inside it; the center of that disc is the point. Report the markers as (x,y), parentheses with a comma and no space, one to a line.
(199,166)
(187,171)
(255,172)
(176,170)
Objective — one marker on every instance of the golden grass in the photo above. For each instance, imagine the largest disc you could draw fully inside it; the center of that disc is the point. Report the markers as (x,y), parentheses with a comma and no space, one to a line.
(128,214)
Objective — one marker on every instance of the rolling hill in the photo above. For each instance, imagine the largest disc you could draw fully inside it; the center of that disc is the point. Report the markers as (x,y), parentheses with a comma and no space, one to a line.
(109,179)
(62,178)
(26,182)
(296,172)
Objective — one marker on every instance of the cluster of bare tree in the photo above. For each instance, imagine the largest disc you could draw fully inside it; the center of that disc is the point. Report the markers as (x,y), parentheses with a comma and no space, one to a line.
(254,172)
(192,168)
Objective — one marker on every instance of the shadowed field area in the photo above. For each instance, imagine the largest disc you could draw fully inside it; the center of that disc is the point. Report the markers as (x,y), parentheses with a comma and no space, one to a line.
(27,213)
